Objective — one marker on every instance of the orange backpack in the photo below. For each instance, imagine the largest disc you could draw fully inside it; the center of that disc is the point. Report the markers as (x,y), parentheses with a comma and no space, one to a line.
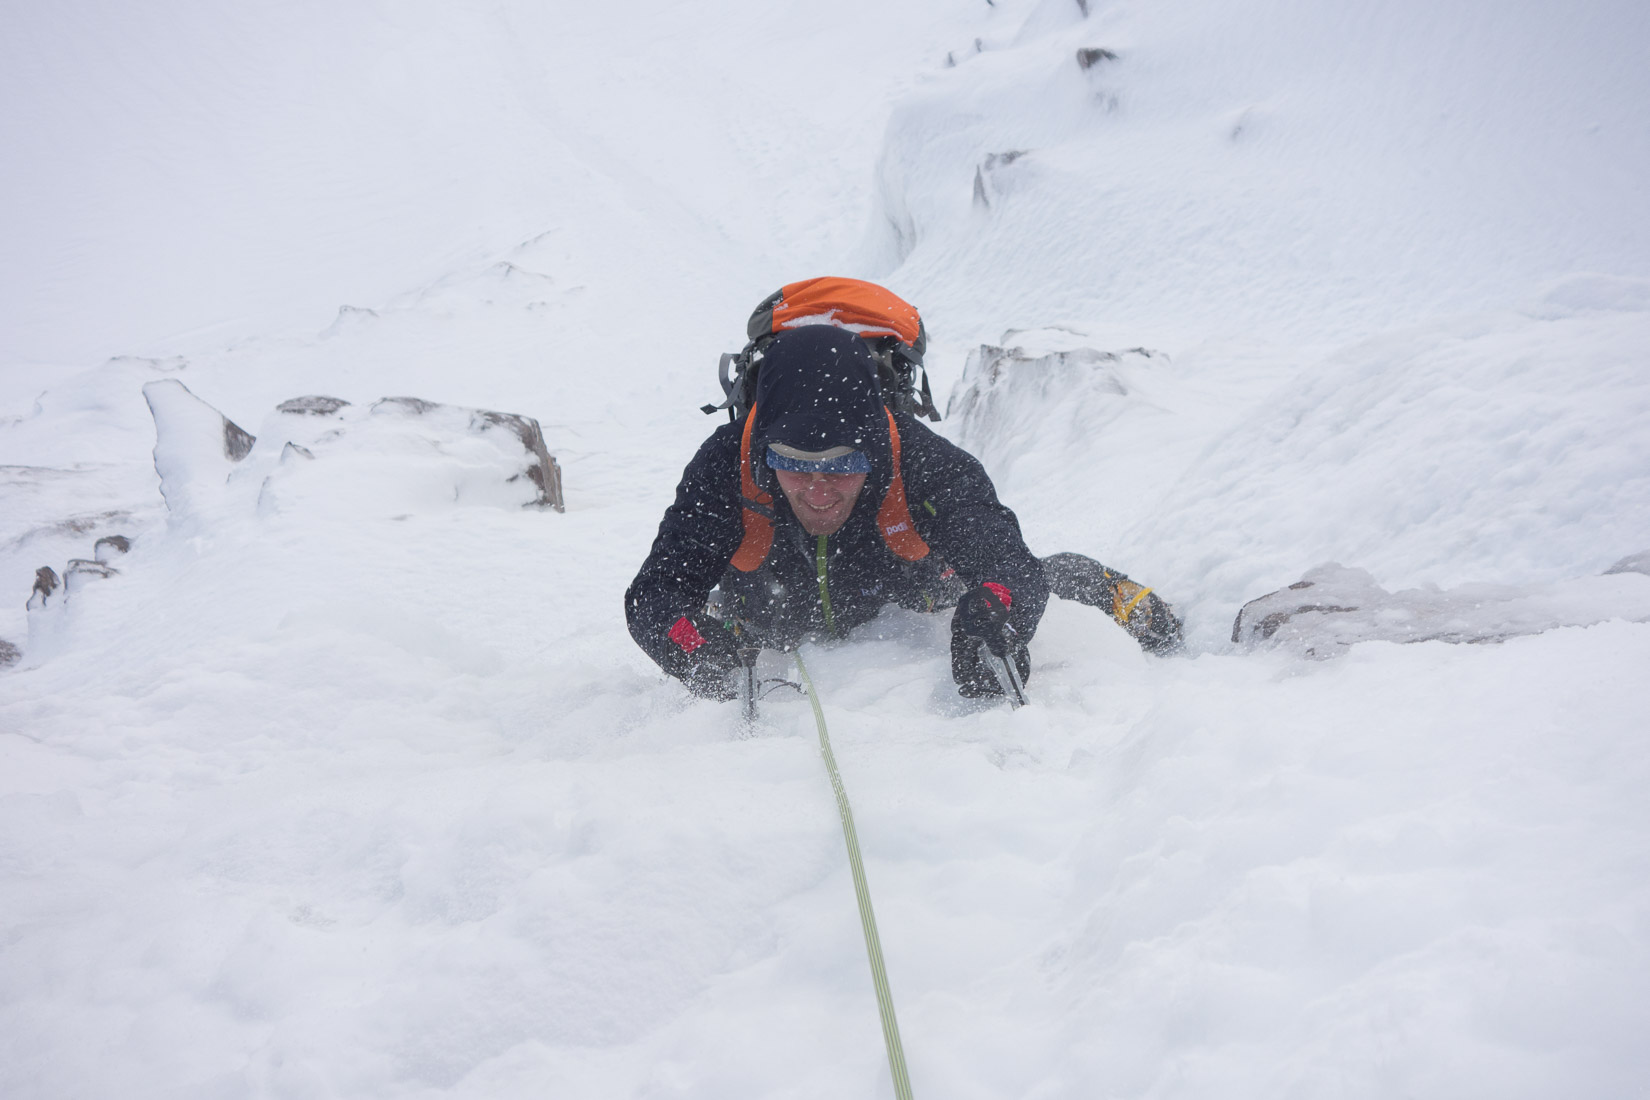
(889,325)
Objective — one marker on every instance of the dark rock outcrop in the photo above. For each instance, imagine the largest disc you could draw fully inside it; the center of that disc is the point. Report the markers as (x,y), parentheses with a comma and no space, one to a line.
(1090,56)
(46,585)
(311,405)
(109,547)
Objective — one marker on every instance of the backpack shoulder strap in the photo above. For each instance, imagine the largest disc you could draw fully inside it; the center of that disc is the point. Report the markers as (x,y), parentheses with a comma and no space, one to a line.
(894,517)
(756,507)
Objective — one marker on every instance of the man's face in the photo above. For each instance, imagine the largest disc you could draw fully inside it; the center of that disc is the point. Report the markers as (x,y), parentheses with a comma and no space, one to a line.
(821,502)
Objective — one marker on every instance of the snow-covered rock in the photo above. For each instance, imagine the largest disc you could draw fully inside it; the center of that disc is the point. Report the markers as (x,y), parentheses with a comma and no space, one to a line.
(47,589)
(1632,563)
(398,456)
(1011,400)
(1333,608)
(111,547)
(45,608)
(311,405)
(82,571)
(52,593)
(403,455)
(196,447)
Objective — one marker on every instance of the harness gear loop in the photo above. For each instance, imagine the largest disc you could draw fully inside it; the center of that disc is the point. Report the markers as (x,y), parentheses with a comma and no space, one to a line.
(862,894)
(893,515)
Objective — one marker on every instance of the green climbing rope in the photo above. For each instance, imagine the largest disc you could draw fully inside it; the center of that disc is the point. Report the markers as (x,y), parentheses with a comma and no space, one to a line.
(867,919)
(824,591)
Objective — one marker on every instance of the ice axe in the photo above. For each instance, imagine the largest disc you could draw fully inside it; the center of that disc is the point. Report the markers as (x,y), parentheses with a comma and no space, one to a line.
(748,687)
(983,615)
(1009,677)
(1003,667)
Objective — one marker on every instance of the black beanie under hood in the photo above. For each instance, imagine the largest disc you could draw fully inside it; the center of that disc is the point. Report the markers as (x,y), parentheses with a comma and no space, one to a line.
(818,389)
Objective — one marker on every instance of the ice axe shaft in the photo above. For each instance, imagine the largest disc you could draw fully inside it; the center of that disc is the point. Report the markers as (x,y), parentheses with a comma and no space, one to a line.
(748,687)
(1008,676)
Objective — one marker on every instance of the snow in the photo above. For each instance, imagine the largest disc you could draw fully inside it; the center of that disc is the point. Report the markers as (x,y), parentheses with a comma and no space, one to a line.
(348,780)
(1453,452)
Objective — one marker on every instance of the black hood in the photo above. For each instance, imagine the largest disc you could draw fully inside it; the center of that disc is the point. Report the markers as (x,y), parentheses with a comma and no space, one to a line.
(817,389)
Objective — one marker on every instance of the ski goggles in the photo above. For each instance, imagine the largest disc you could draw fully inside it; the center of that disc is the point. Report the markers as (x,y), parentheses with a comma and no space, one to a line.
(836,460)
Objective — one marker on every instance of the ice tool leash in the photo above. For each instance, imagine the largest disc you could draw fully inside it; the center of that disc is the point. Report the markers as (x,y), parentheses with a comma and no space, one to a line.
(862,892)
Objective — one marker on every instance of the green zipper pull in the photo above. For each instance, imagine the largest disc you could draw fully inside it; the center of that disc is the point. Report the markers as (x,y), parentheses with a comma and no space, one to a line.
(824,592)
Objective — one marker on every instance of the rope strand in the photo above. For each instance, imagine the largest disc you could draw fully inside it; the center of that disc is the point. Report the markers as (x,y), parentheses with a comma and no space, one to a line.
(862,892)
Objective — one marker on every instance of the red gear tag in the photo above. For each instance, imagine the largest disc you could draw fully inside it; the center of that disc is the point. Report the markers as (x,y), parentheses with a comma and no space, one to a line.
(1001,593)
(686,635)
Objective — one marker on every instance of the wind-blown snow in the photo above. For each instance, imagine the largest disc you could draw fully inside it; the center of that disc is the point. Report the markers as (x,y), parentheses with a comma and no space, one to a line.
(350,782)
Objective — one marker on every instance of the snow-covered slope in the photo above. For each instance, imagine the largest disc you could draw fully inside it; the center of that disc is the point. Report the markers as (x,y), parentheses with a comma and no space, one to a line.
(1273,168)
(346,783)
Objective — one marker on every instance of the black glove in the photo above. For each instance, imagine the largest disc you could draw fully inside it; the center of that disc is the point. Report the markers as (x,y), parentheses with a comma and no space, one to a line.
(983,614)
(982,619)
(702,653)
